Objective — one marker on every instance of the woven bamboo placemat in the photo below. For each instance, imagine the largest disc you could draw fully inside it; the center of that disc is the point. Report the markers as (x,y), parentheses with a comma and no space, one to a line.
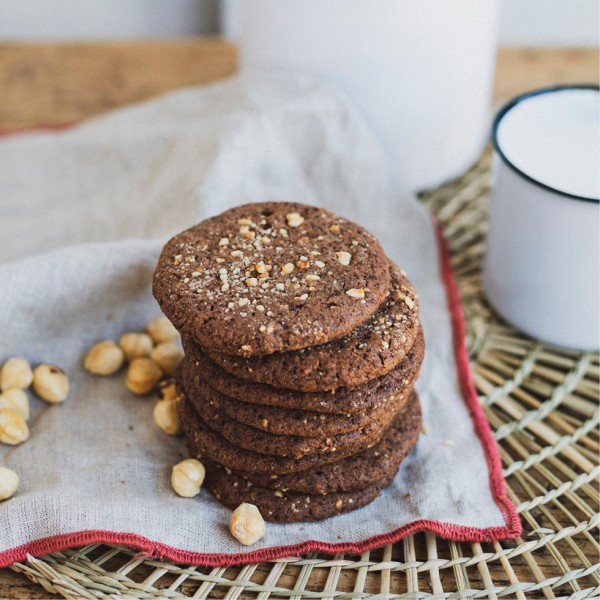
(542,403)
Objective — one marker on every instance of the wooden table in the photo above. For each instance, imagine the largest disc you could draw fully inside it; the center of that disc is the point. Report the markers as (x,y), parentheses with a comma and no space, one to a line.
(56,84)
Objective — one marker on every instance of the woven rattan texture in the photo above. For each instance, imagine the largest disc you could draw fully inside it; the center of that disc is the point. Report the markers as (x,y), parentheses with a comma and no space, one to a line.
(542,403)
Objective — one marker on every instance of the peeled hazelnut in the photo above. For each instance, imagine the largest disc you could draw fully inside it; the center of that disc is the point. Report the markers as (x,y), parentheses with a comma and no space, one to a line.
(16,400)
(9,482)
(166,417)
(344,257)
(247,525)
(136,345)
(294,219)
(168,356)
(50,383)
(167,390)
(15,373)
(356,293)
(162,330)
(143,375)
(104,358)
(187,477)
(13,428)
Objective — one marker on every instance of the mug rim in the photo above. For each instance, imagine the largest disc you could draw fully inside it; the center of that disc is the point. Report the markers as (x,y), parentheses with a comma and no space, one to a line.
(517,100)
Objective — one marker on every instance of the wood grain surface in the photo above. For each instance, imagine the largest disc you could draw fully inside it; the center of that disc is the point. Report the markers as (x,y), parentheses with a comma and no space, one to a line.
(55,84)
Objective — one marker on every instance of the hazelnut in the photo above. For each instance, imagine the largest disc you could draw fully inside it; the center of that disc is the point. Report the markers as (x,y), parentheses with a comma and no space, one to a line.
(50,383)
(247,525)
(13,427)
(143,375)
(162,330)
(344,257)
(166,417)
(136,345)
(104,358)
(15,373)
(167,390)
(356,293)
(294,219)
(9,482)
(187,477)
(168,356)
(16,400)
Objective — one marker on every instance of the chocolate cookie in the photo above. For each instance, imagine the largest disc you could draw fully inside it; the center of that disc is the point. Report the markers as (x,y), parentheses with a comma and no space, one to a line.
(263,442)
(369,351)
(270,277)
(360,470)
(203,443)
(358,400)
(288,507)
(281,421)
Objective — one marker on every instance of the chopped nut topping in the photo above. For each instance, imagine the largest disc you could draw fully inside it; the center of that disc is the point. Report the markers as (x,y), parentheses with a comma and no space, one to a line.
(244,229)
(244,222)
(338,503)
(344,257)
(409,302)
(311,277)
(385,344)
(287,268)
(243,301)
(319,263)
(224,242)
(225,287)
(303,263)
(237,253)
(265,423)
(334,228)
(251,282)
(261,267)
(279,493)
(246,348)
(303,297)
(280,287)
(262,328)
(356,293)
(294,219)
(250,235)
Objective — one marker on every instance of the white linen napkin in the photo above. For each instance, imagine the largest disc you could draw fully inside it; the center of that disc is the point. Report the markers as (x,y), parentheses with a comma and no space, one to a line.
(83,215)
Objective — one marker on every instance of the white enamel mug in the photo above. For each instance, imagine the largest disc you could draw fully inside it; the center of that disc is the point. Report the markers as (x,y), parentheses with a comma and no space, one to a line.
(542,266)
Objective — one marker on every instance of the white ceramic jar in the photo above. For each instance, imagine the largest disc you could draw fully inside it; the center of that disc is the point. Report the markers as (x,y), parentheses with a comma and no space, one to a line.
(419,71)
(542,266)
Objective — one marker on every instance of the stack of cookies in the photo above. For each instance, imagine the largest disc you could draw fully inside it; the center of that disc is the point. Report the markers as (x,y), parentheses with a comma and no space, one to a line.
(302,345)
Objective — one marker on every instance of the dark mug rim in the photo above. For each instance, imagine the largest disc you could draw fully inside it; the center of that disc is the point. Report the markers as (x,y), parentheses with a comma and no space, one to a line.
(502,112)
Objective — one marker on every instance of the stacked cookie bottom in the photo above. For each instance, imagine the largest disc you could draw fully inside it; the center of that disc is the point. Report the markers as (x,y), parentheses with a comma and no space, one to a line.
(303,454)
